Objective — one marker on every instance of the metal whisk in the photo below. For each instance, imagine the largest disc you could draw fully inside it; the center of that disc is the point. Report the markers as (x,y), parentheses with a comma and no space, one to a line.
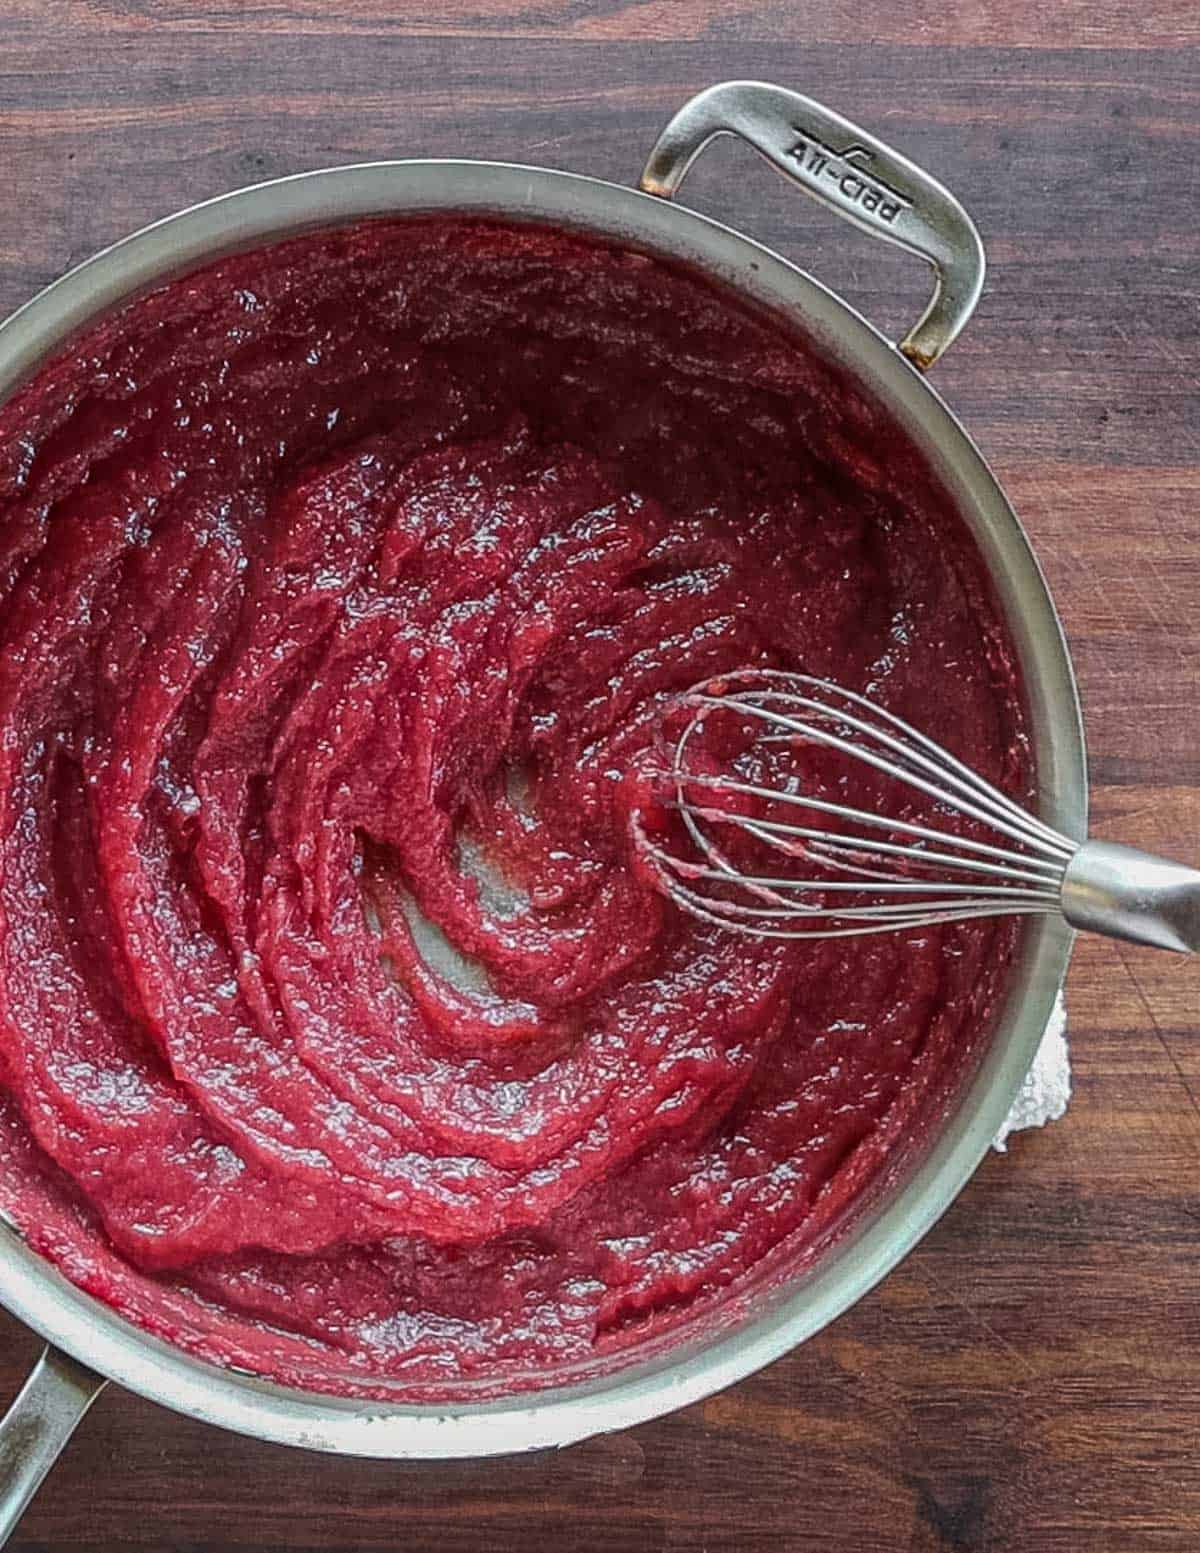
(776,857)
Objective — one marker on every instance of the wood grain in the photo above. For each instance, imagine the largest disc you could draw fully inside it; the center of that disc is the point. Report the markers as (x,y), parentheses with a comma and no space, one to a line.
(1030,1378)
(1076,24)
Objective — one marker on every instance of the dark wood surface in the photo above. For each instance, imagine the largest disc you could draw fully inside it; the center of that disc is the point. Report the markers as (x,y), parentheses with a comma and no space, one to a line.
(1030,1378)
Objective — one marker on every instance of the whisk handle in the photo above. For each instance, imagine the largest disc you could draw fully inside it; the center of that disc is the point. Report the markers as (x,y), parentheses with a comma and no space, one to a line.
(1124,893)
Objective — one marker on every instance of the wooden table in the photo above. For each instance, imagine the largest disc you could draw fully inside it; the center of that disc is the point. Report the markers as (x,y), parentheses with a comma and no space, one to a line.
(1030,1378)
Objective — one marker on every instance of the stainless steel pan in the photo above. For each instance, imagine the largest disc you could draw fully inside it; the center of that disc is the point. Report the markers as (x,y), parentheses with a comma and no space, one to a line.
(888,197)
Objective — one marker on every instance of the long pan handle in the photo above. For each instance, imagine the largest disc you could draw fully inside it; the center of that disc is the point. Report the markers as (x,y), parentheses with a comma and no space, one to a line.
(39,1423)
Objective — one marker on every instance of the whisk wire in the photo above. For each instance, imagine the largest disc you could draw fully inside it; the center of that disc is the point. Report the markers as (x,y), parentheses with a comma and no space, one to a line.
(942,759)
(859,816)
(881,864)
(974,797)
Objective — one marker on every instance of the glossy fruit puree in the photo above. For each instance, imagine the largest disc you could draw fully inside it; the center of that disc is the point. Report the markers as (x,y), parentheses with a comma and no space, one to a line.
(341,586)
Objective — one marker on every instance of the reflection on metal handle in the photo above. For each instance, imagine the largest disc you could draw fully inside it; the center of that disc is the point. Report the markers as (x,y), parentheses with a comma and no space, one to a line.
(1125,893)
(852,173)
(52,1401)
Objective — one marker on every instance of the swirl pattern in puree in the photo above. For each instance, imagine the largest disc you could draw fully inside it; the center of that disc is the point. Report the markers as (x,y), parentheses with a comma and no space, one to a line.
(342,583)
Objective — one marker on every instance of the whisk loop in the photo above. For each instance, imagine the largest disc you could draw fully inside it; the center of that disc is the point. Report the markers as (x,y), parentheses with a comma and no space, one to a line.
(859,870)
